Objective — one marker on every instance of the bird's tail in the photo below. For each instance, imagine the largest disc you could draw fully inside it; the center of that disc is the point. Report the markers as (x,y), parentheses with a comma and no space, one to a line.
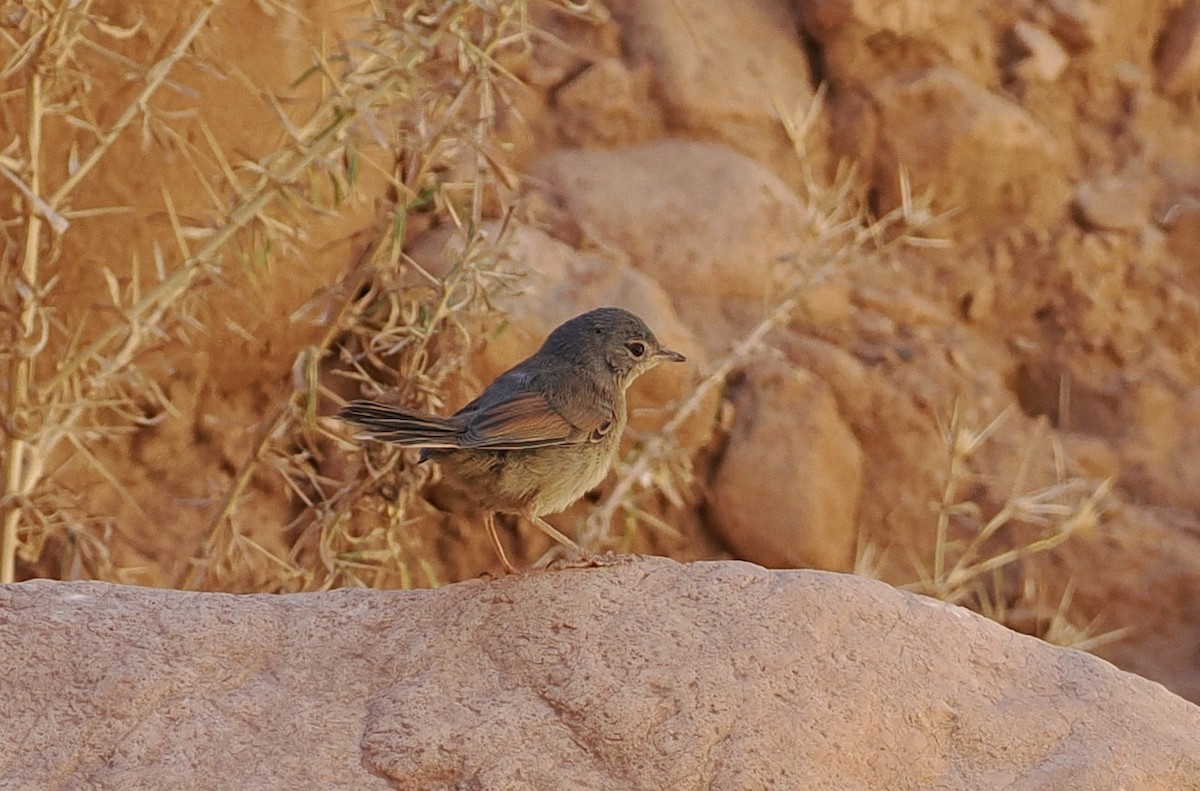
(406,427)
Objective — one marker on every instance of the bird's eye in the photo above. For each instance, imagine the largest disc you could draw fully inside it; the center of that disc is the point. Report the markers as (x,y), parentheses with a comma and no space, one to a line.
(636,348)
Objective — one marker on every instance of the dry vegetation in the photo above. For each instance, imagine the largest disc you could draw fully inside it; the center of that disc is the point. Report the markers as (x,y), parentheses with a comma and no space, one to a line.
(413,101)
(1009,581)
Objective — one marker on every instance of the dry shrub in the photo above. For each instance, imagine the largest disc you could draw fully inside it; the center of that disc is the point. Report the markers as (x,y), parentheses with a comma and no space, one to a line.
(994,564)
(413,100)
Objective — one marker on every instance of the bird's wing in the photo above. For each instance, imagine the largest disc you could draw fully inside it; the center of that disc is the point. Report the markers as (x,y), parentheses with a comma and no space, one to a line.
(515,414)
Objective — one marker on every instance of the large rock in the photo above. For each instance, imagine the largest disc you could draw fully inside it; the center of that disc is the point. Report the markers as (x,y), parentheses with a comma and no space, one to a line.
(728,72)
(862,41)
(714,227)
(1178,61)
(981,154)
(644,675)
(786,490)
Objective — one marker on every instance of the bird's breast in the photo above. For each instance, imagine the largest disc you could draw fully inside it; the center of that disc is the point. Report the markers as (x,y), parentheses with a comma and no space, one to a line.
(538,480)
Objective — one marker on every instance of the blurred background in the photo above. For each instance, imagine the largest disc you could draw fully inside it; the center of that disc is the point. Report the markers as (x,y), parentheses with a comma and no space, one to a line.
(934,266)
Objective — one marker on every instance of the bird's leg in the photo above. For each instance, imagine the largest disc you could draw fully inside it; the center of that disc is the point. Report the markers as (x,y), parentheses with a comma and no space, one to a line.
(489,521)
(549,530)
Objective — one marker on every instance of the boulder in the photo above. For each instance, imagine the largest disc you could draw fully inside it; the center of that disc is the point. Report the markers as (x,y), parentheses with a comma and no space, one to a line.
(982,155)
(786,489)
(1178,56)
(647,674)
(713,227)
(727,72)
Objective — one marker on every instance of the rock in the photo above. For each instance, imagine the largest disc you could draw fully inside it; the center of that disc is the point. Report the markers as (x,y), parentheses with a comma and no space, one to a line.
(786,490)
(1183,232)
(726,71)
(591,38)
(982,155)
(1079,24)
(1178,59)
(1042,57)
(863,42)
(708,224)
(1178,210)
(644,675)
(1160,445)
(1112,203)
(607,105)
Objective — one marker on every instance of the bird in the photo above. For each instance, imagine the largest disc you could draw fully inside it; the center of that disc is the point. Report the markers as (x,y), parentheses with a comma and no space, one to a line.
(544,432)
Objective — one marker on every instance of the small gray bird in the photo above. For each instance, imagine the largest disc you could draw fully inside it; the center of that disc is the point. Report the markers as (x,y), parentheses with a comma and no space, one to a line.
(544,432)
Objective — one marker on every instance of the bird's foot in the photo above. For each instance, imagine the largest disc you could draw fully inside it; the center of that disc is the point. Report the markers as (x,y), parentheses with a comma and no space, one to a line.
(593,561)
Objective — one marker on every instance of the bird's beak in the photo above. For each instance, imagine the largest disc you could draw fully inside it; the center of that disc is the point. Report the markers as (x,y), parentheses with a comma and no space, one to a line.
(674,357)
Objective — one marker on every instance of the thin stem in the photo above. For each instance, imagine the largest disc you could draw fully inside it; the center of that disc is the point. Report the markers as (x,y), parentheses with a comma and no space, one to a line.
(148,311)
(223,513)
(154,79)
(943,518)
(16,483)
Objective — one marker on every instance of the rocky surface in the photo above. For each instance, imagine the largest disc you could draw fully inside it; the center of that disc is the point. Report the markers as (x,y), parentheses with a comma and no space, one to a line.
(643,675)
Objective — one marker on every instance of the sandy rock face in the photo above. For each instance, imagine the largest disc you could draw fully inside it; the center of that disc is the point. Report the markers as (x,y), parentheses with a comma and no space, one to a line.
(862,41)
(980,152)
(647,674)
